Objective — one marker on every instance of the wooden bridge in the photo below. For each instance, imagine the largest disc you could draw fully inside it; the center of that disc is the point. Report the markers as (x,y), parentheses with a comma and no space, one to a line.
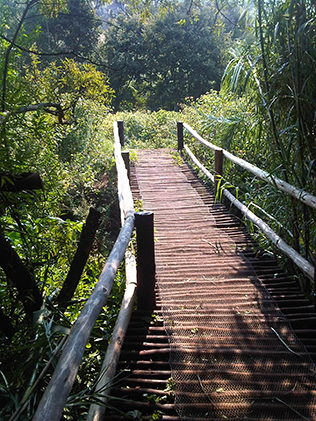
(221,331)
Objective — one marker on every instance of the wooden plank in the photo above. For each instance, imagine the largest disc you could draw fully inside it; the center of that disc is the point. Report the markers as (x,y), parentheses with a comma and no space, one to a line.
(109,365)
(124,191)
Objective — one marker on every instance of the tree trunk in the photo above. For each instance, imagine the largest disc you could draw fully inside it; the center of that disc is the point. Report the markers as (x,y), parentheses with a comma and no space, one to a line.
(86,240)
(6,326)
(19,275)
(19,182)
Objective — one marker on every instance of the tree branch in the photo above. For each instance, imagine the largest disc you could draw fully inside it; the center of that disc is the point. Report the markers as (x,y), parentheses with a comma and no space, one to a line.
(219,10)
(61,53)
(7,55)
(35,107)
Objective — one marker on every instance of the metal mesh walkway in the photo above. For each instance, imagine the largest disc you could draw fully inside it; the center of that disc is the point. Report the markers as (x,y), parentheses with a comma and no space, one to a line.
(233,353)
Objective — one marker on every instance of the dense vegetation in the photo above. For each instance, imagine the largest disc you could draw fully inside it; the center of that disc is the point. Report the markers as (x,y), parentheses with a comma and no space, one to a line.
(243,77)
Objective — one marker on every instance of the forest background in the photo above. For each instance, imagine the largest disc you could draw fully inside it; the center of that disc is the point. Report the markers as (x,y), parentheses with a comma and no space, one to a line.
(241,73)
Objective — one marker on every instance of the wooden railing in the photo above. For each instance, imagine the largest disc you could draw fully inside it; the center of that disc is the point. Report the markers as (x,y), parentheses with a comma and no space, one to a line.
(305,266)
(54,399)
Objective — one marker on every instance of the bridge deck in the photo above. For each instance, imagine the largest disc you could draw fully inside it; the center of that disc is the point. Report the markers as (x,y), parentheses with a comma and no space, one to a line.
(232,352)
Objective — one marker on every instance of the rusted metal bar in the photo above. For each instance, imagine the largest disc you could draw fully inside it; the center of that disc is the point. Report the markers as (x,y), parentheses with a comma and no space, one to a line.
(146,269)
(125,156)
(180,135)
(301,195)
(218,171)
(120,125)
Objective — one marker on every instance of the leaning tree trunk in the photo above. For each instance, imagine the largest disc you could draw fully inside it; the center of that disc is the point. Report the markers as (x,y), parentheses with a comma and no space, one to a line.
(86,240)
(21,278)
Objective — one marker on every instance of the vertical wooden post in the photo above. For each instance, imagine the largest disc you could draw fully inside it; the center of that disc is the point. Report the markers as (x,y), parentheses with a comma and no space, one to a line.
(315,282)
(146,268)
(180,135)
(125,156)
(218,169)
(120,125)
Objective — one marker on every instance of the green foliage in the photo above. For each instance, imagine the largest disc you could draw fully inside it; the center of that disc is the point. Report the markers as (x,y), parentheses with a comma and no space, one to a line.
(67,84)
(74,30)
(156,63)
(150,130)
(263,113)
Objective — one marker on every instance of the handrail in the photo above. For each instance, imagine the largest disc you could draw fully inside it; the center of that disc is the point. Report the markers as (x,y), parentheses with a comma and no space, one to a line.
(299,194)
(55,396)
(109,365)
(307,268)
(302,263)
(124,191)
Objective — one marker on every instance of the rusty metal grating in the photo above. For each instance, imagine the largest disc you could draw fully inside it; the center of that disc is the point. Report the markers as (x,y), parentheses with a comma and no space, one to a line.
(233,353)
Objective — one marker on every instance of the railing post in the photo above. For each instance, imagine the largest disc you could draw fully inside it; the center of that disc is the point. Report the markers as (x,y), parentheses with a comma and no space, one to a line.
(146,268)
(180,135)
(218,169)
(314,286)
(125,156)
(120,125)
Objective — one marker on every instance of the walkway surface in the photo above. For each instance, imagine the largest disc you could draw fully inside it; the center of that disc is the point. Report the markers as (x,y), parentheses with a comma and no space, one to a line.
(233,353)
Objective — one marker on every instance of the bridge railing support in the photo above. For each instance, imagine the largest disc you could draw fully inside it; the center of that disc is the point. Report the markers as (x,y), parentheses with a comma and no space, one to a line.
(125,156)
(146,268)
(219,156)
(218,171)
(308,199)
(180,135)
(120,125)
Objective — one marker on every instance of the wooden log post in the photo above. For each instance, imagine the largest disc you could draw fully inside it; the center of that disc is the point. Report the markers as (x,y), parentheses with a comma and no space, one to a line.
(125,156)
(218,171)
(146,268)
(180,135)
(120,125)
(314,286)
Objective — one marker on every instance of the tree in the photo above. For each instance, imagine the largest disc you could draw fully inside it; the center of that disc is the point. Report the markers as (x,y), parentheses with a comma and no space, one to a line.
(160,61)
(73,33)
(275,67)
(39,107)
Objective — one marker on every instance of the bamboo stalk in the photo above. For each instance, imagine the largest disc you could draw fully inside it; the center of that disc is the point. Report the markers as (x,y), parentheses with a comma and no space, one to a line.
(124,191)
(54,399)
(108,370)
(298,194)
(302,263)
